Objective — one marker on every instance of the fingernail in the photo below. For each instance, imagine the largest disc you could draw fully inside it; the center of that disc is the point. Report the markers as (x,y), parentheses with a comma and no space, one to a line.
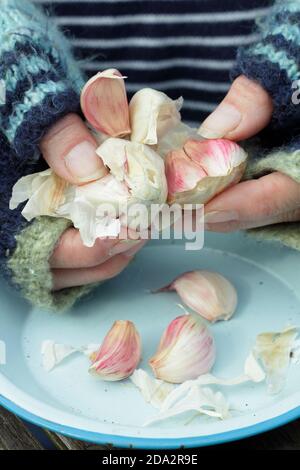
(135,249)
(215,217)
(123,245)
(224,119)
(83,163)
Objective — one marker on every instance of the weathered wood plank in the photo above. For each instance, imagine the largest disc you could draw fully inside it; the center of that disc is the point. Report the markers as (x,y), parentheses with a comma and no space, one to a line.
(14,435)
(66,443)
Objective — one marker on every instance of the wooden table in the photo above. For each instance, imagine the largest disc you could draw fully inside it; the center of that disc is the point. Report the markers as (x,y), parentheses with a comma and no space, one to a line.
(15,434)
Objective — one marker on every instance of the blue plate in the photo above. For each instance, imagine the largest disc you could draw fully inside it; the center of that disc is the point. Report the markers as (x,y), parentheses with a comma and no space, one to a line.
(70,401)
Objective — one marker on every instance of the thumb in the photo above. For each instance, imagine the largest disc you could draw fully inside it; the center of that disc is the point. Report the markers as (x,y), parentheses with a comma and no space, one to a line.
(70,150)
(246,109)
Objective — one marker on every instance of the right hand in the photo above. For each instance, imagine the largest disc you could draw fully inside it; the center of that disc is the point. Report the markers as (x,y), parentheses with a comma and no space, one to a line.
(69,149)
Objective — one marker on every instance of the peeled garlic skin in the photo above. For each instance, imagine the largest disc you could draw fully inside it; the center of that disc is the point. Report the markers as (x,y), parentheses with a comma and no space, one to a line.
(186,351)
(104,103)
(209,294)
(119,354)
(222,162)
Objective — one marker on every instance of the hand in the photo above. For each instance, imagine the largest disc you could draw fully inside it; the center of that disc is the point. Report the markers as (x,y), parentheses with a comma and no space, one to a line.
(271,199)
(69,149)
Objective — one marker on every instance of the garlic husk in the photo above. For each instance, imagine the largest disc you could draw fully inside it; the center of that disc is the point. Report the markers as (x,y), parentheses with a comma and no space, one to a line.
(99,208)
(217,164)
(186,350)
(45,191)
(54,353)
(209,294)
(104,103)
(152,115)
(119,353)
(154,391)
(274,349)
(203,401)
(252,373)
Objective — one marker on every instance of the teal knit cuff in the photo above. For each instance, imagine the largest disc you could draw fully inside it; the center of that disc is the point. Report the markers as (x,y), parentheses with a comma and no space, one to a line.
(30,268)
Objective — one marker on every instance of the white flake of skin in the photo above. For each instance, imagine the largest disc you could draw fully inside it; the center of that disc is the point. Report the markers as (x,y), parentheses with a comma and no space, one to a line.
(153,390)
(201,400)
(54,353)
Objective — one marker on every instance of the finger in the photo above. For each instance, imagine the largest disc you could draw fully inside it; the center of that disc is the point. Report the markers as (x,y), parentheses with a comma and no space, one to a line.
(246,109)
(63,278)
(70,150)
(271,199)
(70,252)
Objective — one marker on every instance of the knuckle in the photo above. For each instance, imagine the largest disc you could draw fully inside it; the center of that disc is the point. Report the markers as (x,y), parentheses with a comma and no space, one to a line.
(64,126)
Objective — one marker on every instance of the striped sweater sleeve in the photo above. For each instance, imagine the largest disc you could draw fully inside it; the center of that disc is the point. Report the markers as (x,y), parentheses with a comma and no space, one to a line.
(40,83)
(275,63)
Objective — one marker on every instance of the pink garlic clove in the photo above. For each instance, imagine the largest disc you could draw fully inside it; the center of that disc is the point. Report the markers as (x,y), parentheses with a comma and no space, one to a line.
(209,294)
(181,172)
(209,167)
(186,351)
(119,354)
(104,103)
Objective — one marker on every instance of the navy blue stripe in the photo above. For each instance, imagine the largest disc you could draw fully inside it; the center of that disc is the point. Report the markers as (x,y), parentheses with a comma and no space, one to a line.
(172,73)
(167,52)
(159,30)
(153,6)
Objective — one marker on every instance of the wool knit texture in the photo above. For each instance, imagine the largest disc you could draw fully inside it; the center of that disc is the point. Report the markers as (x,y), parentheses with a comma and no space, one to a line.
(42,84)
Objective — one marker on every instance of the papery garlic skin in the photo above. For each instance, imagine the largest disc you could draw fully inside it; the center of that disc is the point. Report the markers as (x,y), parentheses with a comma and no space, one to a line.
(209,294)
(119,353)
(186,351)
(104,103)
(152,115)
(274,351)
(46,192)
(217,163)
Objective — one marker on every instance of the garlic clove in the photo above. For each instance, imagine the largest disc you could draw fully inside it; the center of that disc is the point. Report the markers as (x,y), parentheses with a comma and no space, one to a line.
(209,294)
(119,353)
(139,166)
(152,115)
(182,174)
(186,350)
(104,103)
(222,161)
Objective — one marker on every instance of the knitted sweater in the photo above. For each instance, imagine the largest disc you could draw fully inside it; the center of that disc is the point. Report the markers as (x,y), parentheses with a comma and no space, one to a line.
(42,84)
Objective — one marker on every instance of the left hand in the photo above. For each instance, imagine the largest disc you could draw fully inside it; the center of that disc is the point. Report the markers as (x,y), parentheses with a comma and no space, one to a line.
(271,199)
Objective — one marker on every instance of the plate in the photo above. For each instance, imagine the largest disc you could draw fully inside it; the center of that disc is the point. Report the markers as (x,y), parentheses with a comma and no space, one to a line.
(68,400)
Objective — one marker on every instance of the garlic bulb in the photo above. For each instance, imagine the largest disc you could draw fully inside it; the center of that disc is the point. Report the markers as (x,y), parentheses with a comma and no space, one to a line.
(202,169)
(119,354)
(104,103)
(209,294)
(136,175)
(186,350)
(152,115)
